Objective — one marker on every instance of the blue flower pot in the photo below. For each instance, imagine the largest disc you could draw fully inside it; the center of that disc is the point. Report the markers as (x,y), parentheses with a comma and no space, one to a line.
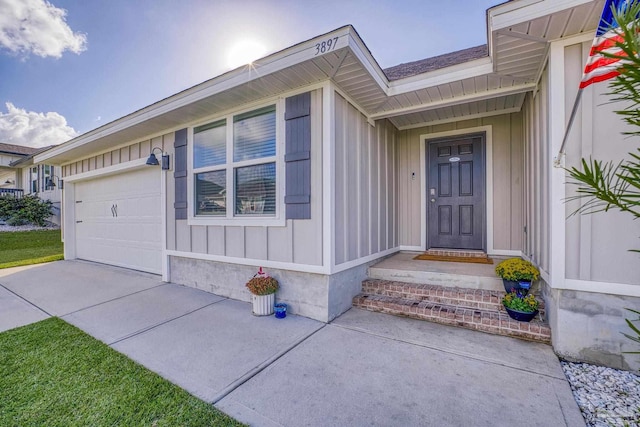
(521,316)
(520,287)
(281,310)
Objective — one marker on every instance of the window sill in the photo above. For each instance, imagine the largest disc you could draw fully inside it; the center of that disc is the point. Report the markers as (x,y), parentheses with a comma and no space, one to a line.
(239,221)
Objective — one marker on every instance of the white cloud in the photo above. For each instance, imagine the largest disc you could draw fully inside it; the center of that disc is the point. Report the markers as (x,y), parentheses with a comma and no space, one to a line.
(32,129)
(38,27)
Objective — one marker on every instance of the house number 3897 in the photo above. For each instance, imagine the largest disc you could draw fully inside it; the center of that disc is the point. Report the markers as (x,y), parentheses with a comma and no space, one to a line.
(326,46)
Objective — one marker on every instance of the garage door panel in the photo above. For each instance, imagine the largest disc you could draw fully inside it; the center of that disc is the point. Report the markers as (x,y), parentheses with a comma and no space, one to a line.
(120,220)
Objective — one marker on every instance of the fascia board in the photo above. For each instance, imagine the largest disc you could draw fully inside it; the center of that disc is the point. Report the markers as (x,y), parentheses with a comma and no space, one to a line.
(453,101)
(347,38)
(512,14)
(478,67)
(361,52)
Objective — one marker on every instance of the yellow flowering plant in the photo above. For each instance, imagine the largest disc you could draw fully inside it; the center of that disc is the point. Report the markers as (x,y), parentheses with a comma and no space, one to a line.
(516,269)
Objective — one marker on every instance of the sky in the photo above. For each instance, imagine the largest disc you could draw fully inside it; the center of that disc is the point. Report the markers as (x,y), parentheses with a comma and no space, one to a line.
(70,66)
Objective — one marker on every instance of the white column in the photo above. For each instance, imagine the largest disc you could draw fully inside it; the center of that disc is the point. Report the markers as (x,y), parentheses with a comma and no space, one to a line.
(557,122)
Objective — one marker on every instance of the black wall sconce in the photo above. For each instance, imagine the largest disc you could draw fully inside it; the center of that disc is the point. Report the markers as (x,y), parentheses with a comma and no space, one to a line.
(153,160)
(50,184)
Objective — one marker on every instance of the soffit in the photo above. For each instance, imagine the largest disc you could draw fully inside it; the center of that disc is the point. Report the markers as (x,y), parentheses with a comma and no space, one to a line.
(461,111)
(520,49)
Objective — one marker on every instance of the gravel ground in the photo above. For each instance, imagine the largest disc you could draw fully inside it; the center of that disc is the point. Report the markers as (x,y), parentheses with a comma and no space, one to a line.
(607,397)
(4,227)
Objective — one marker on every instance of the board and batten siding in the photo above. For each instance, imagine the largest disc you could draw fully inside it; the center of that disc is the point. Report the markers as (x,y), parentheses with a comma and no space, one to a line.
(597,246)
(537,170)
(365,185)
(119,155)
(508,176)
(298,242)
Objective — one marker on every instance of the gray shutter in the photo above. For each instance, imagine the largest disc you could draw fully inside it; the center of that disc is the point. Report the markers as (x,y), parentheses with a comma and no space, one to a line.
(298,156)
(180,174)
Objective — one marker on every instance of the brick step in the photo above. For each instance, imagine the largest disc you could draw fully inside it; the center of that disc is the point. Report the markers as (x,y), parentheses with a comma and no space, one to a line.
(492,321)
(482,299)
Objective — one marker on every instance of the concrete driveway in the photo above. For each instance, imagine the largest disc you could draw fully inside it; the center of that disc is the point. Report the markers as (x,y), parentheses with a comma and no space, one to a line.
(362,369)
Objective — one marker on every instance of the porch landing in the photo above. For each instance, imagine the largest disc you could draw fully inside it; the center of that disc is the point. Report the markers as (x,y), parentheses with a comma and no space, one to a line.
(403,268)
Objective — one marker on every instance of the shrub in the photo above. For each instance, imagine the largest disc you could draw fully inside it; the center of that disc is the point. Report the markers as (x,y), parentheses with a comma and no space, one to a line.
(26,210)
(262,285)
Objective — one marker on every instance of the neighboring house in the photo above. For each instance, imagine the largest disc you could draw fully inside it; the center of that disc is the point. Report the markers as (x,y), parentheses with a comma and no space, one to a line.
(314,163)
(42,180)
(10,177)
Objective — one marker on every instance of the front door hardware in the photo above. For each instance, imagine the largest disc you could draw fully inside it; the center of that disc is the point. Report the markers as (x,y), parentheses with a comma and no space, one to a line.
(114,210)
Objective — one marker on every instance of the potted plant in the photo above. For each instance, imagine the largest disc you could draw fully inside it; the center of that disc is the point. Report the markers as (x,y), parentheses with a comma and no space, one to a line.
(263,289)
(517,274)
(520,307)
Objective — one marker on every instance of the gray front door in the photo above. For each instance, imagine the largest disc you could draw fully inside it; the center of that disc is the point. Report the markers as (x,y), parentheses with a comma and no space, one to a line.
(455,193)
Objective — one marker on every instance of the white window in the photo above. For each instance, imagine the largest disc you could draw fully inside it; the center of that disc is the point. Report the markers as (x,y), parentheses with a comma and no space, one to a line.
(234,162)
(47,174)
(34,179)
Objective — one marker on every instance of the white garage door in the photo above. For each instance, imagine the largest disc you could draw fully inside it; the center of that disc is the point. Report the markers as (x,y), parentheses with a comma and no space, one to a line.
(118,220)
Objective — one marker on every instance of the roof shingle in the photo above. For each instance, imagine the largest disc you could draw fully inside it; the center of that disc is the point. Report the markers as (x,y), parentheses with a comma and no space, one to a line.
(17,149)
(414,68)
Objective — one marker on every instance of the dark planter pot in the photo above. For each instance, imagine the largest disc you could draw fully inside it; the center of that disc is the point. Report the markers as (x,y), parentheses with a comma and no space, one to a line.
(521,287)
(521,316)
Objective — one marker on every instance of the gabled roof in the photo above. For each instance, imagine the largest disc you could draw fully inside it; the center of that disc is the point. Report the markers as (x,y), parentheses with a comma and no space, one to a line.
(458,86)
(414,68)
(28,160)
(19,150)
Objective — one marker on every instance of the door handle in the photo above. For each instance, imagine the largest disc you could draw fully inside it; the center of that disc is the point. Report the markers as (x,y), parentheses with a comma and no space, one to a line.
(433,200)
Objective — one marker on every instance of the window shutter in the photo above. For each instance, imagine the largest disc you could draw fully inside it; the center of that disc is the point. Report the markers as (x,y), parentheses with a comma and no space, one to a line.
(298,156)
(180,174)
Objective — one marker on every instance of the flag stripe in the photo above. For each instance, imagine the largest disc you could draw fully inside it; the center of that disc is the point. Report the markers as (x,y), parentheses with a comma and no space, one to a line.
(600,67)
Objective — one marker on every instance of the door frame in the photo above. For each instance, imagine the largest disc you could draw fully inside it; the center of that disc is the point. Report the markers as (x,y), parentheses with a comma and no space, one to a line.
(488,180)
(428,185)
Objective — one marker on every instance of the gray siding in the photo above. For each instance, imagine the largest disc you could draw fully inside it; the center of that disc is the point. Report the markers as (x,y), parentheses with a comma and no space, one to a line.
(134,151)
(508,175)
(597,246)
(365,203)
(298,242)
(537,215)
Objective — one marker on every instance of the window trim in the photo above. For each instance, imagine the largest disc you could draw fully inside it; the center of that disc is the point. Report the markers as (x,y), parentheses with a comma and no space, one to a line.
(230,219)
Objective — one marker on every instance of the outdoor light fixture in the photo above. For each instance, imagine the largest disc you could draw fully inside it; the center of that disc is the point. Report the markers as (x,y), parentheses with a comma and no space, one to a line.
(9,181)
(50,185)
(153,160)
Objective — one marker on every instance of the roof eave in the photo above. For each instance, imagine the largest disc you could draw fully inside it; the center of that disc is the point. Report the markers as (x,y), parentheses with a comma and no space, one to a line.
(346,37)
(465,70)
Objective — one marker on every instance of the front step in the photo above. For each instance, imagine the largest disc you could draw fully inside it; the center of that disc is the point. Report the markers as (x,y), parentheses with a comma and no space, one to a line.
(475,309)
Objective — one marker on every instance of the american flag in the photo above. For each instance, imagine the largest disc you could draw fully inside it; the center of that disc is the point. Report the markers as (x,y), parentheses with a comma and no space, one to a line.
(599,67)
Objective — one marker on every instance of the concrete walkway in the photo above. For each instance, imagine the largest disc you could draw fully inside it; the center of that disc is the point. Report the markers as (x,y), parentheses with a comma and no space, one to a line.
(362,369)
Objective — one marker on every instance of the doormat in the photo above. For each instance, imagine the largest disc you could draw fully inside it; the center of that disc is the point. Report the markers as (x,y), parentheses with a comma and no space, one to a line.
(449,258)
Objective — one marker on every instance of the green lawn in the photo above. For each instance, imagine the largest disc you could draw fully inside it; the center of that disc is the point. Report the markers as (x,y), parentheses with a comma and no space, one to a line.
(29,247)
(53,374)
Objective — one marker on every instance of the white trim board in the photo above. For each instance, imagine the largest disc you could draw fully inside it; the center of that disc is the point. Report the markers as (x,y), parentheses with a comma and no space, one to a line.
(609,288)
(109,170)
(318,269)
(304,268)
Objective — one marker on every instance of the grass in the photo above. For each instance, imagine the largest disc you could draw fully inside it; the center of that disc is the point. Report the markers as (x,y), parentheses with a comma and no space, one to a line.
(30,247)
(54,374)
